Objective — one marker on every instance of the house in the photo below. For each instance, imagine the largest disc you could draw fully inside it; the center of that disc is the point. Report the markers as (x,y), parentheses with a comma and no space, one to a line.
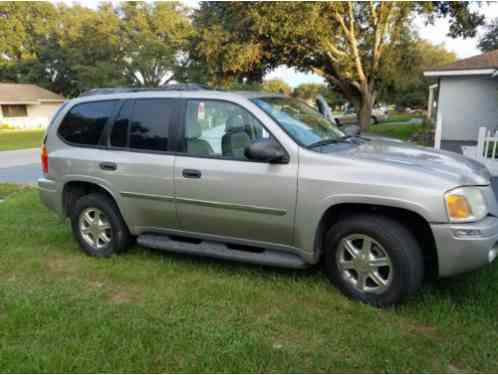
(465,98)
(27,106)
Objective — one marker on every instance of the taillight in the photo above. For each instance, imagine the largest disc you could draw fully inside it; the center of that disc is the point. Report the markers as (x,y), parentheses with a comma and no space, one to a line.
(44,158)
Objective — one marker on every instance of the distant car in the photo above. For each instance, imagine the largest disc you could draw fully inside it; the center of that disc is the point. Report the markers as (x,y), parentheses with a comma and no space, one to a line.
(264,178)
(379,114)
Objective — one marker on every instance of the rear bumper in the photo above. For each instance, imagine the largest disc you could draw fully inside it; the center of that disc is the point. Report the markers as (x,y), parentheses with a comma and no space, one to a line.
(50,195)
(464,247)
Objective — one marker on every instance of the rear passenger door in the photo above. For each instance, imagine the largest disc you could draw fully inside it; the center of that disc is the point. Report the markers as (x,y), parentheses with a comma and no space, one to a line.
(140,165)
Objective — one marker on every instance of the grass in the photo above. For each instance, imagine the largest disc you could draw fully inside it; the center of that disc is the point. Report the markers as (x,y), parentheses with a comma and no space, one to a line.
(395,130)
(400,117)
(146,311)
(7,189)
(19,139)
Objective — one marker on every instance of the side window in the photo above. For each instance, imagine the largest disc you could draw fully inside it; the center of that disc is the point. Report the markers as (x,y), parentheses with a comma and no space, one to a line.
(85,123)
(220,129)
(119,133)
(150,124)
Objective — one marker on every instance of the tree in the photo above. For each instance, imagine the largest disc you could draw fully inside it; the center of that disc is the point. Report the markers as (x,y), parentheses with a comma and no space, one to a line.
(489,41)
(403,82)
(225,43)
(307,91)
(277,86)
(23,28)
(156,35)
(344,42)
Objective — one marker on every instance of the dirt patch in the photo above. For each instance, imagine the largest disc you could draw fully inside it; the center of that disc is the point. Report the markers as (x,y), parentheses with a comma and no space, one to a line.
(62,265)
(418,328)
(120,297)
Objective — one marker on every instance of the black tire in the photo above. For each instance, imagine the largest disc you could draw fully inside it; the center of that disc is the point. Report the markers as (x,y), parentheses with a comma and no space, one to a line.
(399,244)
(375,120)
(120,237)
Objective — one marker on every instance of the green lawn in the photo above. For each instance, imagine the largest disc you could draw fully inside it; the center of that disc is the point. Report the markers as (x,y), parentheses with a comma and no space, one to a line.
(145,311)
(394,130)
(19,139)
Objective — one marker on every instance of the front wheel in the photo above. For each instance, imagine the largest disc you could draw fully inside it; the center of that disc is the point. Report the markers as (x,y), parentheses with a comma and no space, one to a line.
(373,259)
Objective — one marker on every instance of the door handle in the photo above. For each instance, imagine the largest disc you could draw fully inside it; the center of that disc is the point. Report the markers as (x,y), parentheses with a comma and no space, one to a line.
(191,173)
(107,166)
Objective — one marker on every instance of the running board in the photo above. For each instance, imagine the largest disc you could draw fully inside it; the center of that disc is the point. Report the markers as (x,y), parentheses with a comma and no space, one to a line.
(221,251)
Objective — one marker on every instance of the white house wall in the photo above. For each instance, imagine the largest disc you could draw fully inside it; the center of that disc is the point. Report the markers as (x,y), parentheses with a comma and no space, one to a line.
(39,116)
(467,103)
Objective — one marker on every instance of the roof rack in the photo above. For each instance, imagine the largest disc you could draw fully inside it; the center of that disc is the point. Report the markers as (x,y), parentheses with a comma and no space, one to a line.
(119,90)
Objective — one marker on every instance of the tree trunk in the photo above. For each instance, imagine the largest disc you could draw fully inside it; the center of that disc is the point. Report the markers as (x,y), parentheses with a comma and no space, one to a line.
(364,110)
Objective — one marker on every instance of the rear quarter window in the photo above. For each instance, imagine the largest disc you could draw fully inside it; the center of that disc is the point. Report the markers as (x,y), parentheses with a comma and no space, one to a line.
(84,124)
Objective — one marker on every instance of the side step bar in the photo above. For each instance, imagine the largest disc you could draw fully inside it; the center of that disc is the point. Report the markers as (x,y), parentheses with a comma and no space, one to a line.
(222,251)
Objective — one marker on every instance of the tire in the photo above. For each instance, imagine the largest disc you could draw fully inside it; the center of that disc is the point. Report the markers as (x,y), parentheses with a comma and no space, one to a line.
(115,236)
(375,120)
(390,243)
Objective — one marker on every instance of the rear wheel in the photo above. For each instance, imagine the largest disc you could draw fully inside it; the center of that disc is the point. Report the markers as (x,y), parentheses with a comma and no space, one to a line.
(373,259)
(98,226)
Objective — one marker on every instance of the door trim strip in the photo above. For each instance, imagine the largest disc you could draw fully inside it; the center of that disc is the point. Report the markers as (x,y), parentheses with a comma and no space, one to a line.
(214,204)
(164,198)
(233,206)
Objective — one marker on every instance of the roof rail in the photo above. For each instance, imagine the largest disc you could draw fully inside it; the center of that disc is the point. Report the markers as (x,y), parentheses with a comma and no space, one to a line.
(172,87)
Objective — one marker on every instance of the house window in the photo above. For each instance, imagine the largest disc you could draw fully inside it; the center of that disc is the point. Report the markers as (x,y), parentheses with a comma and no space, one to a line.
(14,110)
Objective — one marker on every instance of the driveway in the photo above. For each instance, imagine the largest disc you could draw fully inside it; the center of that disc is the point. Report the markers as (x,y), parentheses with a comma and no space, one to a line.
(20,166)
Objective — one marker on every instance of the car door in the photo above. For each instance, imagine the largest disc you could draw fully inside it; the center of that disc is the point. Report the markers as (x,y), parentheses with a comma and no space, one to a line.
(139,143)
(218,190)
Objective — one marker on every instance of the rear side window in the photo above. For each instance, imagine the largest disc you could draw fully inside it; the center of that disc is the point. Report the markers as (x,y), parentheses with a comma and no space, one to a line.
(85,123)
(150,124)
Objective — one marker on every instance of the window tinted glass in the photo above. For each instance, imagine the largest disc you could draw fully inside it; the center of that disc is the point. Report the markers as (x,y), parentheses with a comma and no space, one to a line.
(150,124)
(216,128)
(85,122)
(119,134)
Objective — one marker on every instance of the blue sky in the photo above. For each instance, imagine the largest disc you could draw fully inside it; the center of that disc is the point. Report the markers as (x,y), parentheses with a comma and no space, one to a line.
(435,33)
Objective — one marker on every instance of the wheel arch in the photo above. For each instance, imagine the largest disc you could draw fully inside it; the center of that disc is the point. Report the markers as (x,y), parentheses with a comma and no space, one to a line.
(413,221)
(74,189)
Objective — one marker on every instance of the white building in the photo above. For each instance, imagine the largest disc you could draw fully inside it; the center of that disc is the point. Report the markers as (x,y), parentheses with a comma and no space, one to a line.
(27,106)
(466,94)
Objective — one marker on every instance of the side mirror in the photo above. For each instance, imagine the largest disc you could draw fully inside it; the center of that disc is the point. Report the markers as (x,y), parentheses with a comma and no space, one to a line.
(266,150)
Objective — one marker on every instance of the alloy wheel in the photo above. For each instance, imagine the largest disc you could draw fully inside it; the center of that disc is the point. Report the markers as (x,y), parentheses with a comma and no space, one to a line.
(364,264)
(95,228)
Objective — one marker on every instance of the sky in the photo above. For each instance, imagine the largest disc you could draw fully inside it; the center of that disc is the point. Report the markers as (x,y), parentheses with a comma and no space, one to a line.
(436,33)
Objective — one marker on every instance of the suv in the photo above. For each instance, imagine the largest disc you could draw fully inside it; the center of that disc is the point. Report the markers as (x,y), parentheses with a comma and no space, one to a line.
(264,179)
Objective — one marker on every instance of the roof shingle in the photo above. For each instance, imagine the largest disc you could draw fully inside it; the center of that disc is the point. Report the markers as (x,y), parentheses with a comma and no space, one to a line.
(26,93)
(488,60)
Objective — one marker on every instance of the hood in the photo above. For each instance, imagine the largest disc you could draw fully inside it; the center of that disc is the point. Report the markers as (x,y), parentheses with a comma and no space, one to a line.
(455,167)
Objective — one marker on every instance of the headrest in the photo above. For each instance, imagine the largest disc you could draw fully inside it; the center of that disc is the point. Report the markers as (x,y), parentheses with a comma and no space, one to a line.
(193,130)
(234,123)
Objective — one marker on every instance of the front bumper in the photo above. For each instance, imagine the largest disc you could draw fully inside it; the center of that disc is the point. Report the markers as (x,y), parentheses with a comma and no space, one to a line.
(464,247)
(50,195)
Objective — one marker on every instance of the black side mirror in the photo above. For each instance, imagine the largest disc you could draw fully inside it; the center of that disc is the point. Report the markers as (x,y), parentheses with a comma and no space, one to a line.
(266,150)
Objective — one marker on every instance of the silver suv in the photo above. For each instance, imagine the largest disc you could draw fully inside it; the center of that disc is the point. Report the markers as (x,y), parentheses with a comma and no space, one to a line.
(264,179)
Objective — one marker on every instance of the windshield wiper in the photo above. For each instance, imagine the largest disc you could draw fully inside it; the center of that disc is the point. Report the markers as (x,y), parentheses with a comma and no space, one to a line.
(324,142)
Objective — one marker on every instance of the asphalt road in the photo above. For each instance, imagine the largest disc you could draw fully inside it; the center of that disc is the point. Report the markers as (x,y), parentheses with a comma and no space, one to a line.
(20,166)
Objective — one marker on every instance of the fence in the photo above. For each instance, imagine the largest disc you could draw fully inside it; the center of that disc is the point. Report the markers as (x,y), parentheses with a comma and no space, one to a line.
(486,150)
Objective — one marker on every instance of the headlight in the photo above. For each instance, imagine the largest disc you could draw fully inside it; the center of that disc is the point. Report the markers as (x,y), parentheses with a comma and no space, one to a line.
(465,204)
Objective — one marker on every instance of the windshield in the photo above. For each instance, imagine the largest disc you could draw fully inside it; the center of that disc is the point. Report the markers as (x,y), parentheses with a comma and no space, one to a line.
(304,124)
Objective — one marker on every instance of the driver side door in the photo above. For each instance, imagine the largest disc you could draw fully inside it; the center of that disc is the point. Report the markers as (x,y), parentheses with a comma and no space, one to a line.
(218,191)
